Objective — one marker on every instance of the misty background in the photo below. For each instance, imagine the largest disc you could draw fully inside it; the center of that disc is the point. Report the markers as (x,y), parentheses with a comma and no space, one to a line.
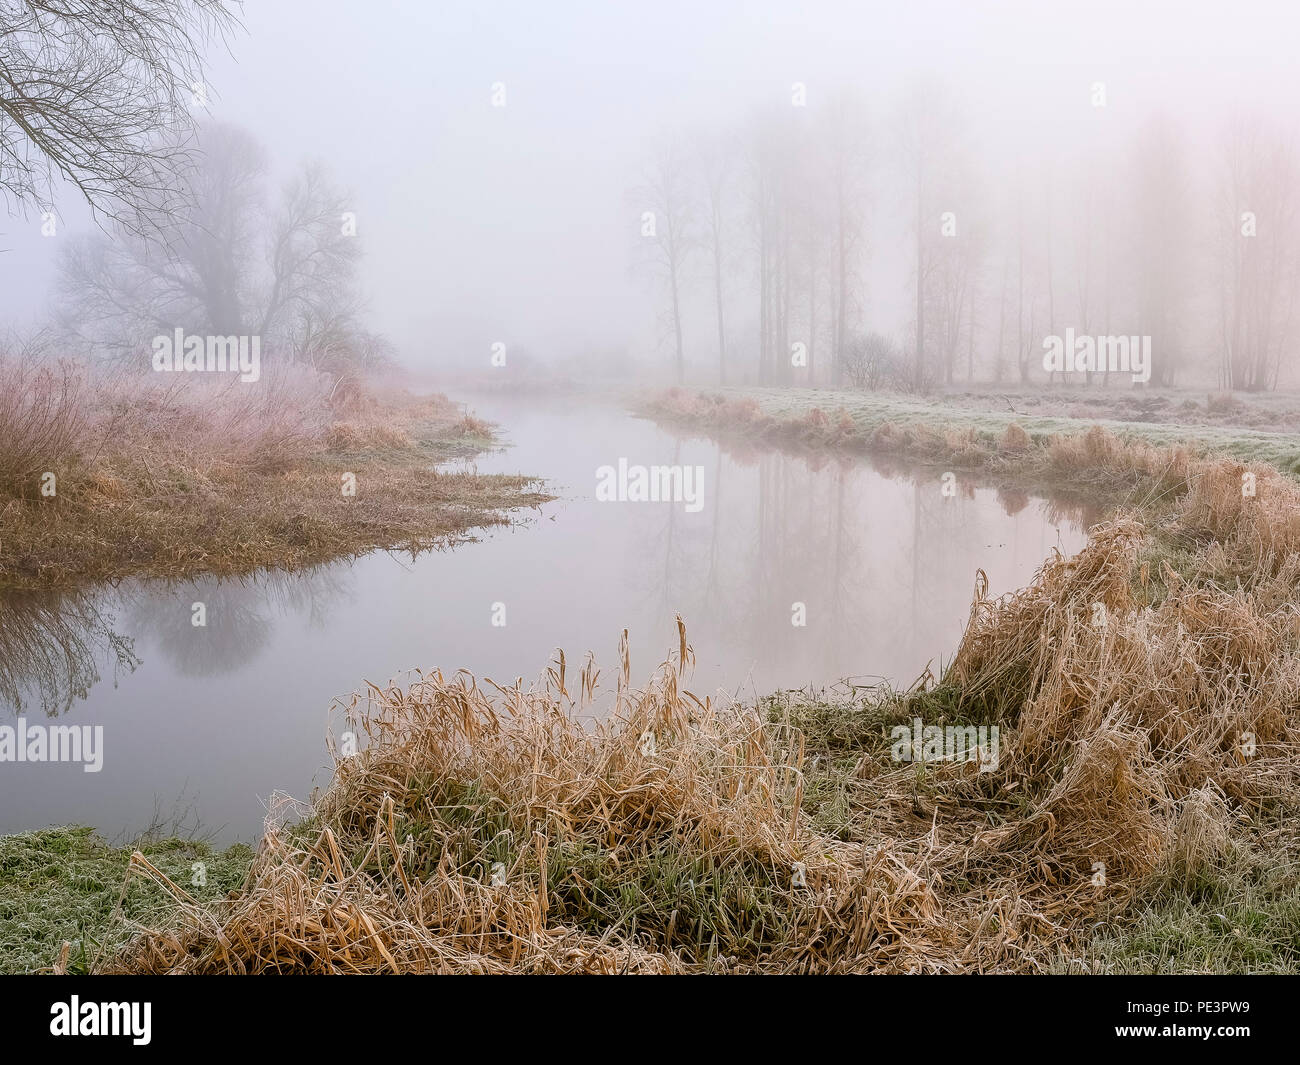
(522,224)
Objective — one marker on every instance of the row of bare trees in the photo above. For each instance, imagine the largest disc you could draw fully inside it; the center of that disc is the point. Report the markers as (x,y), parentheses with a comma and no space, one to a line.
(761,237)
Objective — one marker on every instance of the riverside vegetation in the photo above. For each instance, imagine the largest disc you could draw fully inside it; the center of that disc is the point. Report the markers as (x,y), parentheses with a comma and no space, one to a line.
(1140,817)
(103,478)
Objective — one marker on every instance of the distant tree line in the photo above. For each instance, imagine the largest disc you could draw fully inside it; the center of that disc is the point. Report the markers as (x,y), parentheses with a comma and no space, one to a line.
(772,224)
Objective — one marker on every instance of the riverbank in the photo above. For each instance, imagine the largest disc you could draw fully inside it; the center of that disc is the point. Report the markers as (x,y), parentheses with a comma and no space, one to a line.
(1138,814)
(157,482)
(964,432)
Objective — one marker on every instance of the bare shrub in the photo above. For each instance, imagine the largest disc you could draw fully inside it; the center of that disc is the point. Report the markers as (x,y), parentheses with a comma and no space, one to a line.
(43,416)
(872,361)
(1223,403)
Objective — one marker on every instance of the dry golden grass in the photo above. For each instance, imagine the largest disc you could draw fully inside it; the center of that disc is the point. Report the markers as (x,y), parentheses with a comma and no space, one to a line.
(399,869)
(1014,438)
(176,482)
(351,436)
(481,833)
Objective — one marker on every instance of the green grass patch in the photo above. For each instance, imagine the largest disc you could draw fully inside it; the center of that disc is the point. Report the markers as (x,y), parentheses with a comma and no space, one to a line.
(62,885)
(1242,919)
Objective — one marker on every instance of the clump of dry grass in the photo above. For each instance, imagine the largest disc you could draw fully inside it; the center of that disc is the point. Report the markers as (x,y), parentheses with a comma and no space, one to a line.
(887,437)
(396,420)
(1014,438)
(354,436)
(483,832)
(1253,512)
(473,426)
(1124,714)
(1200,835)
(1098,453)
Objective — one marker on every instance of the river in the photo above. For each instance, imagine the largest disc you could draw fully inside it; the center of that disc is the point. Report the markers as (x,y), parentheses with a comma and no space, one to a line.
(202,723)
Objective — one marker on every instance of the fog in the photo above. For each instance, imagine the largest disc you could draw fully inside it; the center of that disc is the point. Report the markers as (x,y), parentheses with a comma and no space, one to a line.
(520,224)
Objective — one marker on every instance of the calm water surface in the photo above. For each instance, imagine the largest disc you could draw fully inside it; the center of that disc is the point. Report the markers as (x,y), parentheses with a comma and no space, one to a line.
(208,722)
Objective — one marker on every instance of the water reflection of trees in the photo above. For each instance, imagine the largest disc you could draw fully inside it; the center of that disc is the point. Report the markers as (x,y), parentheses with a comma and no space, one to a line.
(883,560)
(772,533)
(240,615)
(51,647)
(55,647)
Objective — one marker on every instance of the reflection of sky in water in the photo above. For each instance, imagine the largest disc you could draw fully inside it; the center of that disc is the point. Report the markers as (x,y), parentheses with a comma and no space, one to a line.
(224,715)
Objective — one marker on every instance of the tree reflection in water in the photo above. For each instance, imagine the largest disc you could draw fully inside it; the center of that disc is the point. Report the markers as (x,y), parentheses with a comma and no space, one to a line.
(51,647)
(56,646)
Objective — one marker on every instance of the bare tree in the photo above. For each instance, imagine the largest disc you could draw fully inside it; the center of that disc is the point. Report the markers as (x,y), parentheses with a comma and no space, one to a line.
(717,165)
(233,265)
(928,130)
(1161,245)
(665,196)
(1259,212)
(847,151)
(812,228)
(1086,193)
(956,251)
(772,157)
(870,361)
(86,86)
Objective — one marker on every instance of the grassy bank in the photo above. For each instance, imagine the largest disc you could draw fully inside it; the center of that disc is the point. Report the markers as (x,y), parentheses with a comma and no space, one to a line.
(959,432)
(103,480)
(1267,412)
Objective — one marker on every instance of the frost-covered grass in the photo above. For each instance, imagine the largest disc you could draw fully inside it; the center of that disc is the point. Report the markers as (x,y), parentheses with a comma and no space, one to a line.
(868,411)
(61,885)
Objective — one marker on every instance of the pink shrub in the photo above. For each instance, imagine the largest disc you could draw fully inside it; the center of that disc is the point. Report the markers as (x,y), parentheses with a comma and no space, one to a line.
(43,418)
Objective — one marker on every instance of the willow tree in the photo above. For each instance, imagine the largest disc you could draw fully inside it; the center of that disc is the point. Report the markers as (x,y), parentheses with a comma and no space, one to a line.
(87,87)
